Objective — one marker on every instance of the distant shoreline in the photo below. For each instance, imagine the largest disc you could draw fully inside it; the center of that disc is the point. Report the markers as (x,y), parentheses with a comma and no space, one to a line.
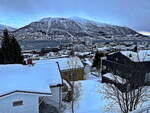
(38,44)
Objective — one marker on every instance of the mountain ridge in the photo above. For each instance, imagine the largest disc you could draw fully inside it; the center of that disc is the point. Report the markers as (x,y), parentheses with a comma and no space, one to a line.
(74,28)
(2,27)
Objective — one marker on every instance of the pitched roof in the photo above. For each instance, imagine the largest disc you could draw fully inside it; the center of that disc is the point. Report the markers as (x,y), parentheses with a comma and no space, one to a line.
(25,78)
(68,62)
(140,56)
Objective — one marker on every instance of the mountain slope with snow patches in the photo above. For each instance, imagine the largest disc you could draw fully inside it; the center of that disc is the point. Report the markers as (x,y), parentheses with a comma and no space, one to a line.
(71,28)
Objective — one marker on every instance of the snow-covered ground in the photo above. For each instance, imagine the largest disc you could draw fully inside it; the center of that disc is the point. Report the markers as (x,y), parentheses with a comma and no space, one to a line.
(90,100)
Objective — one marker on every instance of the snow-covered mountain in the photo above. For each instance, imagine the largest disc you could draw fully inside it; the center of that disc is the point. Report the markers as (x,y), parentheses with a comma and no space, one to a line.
(2,27)
(72,29)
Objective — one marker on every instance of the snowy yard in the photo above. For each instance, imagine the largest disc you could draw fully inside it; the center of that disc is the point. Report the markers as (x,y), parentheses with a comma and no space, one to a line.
(90,99)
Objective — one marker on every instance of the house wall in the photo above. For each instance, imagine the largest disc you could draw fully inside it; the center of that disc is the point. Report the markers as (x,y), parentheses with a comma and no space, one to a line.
(56,97)
(30,103)
(119,58)
(126,68)
(66,74)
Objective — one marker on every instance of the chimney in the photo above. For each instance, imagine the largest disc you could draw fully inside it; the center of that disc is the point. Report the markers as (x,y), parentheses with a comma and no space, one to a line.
(29,62)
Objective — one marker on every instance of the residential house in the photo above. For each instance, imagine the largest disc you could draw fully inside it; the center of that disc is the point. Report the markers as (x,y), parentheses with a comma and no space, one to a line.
(130,65)
(23,86)
(70,65)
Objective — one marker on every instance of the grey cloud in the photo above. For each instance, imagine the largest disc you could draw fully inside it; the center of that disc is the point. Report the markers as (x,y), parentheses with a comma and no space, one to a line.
(132,13)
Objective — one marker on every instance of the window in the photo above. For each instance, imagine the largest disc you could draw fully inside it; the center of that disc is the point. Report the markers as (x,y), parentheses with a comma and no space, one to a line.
(117,59)
(17,103)
(130,55)
(147,77)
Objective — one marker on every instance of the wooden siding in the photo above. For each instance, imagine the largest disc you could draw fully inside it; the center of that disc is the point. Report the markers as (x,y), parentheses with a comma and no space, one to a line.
(66,74)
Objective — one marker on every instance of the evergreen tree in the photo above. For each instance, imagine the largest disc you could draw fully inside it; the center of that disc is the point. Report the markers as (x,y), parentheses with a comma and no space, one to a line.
(17,51)
(72,53)
(97,61)
(11,49)
(1,57)
(135,49)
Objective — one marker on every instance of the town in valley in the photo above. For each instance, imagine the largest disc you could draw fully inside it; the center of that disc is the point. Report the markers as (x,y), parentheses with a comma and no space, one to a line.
(73,64)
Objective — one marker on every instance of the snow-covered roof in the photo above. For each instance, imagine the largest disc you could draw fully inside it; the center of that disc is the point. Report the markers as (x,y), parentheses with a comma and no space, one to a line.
(105,48)
(87,61)
(37,78)
(82,53)
(140,56)
(115,78)
(68,63)
(122,47)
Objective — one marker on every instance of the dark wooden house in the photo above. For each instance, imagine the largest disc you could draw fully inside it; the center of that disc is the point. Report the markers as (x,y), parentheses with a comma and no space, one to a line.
(134,66)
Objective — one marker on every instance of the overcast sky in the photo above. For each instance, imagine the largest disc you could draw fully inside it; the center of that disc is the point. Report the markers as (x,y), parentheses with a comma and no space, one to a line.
(131,13)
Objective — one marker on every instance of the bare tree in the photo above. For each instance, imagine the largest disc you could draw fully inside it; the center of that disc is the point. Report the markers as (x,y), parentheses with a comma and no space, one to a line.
(128,100)
(73,66)
(126,93)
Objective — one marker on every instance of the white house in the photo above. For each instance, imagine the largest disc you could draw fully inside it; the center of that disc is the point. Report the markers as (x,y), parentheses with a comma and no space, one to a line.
(21,86)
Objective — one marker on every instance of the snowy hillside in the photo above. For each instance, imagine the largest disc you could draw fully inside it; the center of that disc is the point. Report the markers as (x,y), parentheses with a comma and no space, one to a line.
(2,27)
(72,29)
(84,22)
